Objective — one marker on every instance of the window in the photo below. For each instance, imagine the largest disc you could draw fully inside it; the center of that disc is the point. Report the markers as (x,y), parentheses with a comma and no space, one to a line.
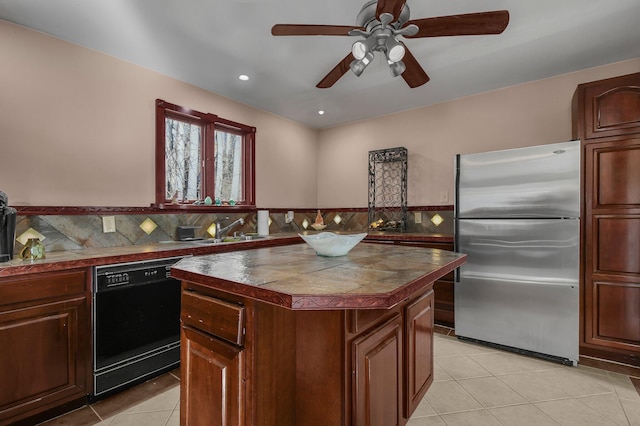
(200,154)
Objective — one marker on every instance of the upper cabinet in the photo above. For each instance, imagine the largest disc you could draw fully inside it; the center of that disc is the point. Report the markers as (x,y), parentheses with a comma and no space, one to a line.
(608,107)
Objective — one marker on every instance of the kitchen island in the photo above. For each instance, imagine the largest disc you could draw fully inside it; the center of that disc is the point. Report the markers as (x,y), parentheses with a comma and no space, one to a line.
(281,336)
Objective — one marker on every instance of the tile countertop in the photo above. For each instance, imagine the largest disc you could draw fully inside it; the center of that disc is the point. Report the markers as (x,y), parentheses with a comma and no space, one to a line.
(60,260)
(369,276)
(56,261)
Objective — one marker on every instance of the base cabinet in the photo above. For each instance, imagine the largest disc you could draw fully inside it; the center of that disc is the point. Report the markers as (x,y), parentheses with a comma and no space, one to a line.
(419,350)
(44,323)
(212,381)
(302,368)
(377,365)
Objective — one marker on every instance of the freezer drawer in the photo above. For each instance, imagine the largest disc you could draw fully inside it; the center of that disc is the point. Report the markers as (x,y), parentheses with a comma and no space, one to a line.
(537,318)
(519,287)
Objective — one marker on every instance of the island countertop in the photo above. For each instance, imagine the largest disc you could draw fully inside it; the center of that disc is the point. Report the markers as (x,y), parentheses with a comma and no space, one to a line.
(370,276)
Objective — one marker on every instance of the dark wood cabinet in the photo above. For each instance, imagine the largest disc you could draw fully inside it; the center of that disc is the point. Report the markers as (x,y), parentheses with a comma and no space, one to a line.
(304,368)
(212,361)
(212,390)
(222,336)
(607,108)
(377,384)
(419,350)
(607,119)
(45,336)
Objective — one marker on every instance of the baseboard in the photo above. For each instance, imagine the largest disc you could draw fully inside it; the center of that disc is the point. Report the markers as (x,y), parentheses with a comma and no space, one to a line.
(609,365)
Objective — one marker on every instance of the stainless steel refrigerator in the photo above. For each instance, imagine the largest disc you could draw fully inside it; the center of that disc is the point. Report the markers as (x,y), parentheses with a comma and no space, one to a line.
(517,217)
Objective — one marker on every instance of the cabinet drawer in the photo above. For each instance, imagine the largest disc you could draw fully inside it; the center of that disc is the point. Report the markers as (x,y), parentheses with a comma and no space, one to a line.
(34,287)
(214,316)
(360,320)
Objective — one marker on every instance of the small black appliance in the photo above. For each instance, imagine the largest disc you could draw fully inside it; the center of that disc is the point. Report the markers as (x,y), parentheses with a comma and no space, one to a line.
(7,228)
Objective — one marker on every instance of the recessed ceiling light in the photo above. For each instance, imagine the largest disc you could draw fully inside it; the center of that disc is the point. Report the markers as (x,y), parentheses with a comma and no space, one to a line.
(321,112)
(243,77)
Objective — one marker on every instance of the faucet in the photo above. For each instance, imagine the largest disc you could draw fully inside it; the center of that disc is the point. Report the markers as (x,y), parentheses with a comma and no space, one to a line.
(221,231)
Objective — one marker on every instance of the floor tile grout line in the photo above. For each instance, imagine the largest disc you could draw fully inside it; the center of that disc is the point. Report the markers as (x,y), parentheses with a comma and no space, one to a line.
(606,416)
(508,405)
(550,384)
(603,414)
(554,420)
(171,415)
(626,414)
(636,400)
(96,413)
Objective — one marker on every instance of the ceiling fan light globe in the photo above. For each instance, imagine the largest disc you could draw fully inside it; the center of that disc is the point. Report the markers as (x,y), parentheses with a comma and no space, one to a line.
(395,53)
(359,50)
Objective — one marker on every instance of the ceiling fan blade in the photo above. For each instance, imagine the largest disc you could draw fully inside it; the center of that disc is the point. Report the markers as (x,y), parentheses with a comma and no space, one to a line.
(468,24)
(304,30)
(414,75)
(393,7)
(337,72)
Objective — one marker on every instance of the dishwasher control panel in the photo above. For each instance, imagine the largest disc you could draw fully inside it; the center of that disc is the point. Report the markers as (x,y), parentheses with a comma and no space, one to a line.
(134,273)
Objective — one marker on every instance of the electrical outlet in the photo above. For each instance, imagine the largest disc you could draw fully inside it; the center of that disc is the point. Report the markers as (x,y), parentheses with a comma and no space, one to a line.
(108,224)
(444,196)
(288,218)
(417,217)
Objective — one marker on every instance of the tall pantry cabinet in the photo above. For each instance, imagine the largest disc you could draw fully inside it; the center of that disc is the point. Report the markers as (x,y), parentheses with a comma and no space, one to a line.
(606,117)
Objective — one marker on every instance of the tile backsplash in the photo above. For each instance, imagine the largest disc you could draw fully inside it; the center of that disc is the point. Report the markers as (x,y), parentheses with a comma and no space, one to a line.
(74,232)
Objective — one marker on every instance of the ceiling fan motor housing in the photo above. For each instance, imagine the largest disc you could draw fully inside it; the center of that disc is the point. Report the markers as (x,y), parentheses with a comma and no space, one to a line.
(367,16)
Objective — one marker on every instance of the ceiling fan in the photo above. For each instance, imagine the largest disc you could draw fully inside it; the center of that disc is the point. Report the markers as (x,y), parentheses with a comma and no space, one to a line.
(380,22)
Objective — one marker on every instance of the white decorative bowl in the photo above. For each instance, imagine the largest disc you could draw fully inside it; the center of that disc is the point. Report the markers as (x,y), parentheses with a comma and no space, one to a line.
(318,227)
(332,245)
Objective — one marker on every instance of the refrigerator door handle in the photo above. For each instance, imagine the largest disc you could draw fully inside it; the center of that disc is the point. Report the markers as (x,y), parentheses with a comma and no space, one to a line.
(555,282)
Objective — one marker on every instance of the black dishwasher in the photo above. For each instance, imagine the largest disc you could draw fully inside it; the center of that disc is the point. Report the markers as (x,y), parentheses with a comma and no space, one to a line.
(136,323)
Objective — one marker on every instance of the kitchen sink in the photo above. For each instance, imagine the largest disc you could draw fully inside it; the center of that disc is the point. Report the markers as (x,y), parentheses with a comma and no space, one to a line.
(212,241)
(235,239)
(246,237)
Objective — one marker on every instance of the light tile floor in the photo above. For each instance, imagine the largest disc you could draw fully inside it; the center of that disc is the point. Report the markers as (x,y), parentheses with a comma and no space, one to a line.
(153,403)
(476,385)
(473,386)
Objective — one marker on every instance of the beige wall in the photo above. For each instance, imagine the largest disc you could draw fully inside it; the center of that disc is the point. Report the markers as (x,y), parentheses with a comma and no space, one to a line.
(529,114)
(77,129)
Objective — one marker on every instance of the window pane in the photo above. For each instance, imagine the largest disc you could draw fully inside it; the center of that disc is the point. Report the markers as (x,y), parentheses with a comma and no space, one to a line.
(228,166)
(183,157)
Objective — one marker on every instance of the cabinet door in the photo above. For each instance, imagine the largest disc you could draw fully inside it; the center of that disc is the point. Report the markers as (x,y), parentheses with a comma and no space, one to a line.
(612,244)
(419,355)
(42,361)
(612,107)
(377,372)
(212,385)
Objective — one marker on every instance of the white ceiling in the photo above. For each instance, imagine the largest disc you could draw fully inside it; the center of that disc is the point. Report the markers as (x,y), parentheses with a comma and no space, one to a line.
(210,42)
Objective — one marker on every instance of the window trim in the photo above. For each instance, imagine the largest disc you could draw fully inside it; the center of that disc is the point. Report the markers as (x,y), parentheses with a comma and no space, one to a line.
(210,123)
